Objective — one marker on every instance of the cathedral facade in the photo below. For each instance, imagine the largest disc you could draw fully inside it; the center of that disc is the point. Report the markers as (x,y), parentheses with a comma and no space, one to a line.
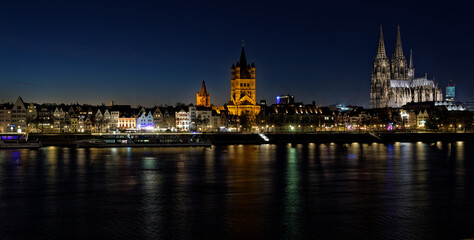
(393,82)
(242,90)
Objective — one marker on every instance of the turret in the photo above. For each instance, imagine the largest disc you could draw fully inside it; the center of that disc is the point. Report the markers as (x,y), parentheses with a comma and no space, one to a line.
(232,72)
(411,69)
(252,71)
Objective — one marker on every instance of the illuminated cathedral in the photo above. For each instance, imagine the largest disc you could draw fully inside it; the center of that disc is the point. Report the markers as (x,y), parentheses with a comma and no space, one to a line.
(393,83)
(242,92)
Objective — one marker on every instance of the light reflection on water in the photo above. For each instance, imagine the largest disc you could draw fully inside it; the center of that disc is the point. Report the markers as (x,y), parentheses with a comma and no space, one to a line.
(356,190)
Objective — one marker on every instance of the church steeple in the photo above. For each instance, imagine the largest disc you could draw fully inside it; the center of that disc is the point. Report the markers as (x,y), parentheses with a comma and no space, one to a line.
(381,48)
(243,59)
(398,46)
(399,62)
(203,98)
(244,67)
(203,88)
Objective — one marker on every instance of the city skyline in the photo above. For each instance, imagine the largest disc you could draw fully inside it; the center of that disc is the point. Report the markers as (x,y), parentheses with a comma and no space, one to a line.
(94,54)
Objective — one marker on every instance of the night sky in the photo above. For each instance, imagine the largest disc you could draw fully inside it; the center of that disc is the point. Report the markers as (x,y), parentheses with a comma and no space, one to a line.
(150,52)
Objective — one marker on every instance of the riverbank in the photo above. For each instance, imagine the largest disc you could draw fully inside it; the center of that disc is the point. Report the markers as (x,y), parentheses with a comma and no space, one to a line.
(278,138)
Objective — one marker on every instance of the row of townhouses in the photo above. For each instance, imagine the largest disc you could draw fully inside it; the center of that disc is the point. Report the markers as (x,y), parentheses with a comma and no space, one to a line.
(75,118)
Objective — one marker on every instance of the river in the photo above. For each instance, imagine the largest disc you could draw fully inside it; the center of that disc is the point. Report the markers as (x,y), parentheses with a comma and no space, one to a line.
(300,191)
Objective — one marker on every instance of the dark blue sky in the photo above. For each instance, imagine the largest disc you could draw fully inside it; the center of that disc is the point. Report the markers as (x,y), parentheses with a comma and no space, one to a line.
(150,52)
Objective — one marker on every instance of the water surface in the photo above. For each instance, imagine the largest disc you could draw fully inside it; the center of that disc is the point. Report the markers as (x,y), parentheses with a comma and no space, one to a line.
(303,191)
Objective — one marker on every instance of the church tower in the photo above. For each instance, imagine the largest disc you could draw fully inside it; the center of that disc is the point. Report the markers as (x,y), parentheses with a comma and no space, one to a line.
(203,98)
(399,62)
(242,92)
(380,76)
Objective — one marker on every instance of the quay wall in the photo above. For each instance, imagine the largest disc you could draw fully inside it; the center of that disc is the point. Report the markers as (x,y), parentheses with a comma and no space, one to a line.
(274,138)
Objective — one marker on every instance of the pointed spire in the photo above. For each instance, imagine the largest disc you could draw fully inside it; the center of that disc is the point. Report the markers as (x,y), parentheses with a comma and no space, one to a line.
(411,59)
(243,59)
(398,46)
(381,47)
(203,88)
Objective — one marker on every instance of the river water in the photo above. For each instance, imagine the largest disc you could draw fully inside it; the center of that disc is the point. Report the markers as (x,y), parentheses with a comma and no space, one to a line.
(300,191)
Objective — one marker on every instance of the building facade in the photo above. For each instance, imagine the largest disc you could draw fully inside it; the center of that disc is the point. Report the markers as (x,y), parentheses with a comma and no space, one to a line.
(18,116)
(242,93)
(393,82)
(144,120)
(183,120)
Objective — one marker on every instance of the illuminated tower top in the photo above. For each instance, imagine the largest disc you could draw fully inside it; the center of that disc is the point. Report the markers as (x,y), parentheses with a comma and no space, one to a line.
(203,98)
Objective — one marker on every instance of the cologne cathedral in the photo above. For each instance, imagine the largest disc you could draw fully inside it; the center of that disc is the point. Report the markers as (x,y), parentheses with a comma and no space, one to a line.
(394,83)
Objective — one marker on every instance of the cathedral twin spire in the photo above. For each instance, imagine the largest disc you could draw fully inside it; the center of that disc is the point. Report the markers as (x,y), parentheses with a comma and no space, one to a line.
(391,80)
(399,68)
(398,47)
(381,48)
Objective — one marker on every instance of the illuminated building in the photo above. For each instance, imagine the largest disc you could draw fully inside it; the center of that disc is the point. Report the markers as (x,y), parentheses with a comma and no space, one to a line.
(422,118)
(80,125)
(158,118)
(450,91)
(242,93)
(144,120)
(127,123)
(5,117)
(167,120)
(103,121)
(393,83)
(127,119)
(59,117)
(114,117)
(203,119)
(74,124)
(45,119)
(285,99)
(203,98)
(183,120)
(18,122)
(31,113)
(88,124)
